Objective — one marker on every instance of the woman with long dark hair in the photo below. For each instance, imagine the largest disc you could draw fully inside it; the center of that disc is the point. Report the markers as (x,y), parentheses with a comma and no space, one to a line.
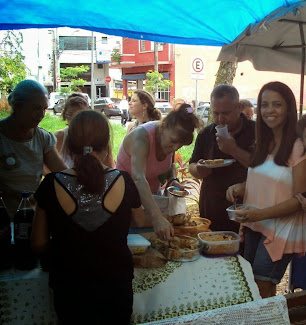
(87,212)
(142,107)
(272,227)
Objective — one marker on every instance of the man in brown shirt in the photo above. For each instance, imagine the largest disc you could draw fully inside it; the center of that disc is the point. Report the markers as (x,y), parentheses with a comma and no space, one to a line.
(226,110)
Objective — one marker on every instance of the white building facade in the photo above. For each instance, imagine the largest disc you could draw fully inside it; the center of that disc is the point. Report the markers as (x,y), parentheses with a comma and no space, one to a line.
(48,50)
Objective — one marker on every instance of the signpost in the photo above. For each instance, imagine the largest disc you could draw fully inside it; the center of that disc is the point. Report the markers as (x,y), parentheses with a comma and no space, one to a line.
(107,79)
(197,72)
(58,80)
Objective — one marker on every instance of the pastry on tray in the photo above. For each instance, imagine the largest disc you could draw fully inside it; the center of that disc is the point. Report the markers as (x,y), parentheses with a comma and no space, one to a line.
(179,248)
(213,161)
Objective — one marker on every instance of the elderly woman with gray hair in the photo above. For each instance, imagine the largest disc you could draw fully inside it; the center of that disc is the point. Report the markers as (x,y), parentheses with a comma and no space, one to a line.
(24,146)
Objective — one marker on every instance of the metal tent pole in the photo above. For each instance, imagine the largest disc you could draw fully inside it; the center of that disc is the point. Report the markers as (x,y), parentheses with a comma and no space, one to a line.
(302,69)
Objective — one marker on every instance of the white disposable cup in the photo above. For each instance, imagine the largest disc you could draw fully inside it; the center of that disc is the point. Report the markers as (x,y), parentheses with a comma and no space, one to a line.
(222,130)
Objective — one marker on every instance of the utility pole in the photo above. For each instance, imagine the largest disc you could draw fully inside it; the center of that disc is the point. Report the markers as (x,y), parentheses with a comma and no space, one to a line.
(156,65)
(156,56)
(92,81)
(54,56)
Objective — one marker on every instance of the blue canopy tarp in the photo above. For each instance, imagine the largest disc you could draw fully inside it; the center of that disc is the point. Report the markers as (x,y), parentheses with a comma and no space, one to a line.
(205,22)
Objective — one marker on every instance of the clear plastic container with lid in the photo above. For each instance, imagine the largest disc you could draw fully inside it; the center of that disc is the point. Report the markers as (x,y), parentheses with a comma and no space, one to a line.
(219,242)
(137,243)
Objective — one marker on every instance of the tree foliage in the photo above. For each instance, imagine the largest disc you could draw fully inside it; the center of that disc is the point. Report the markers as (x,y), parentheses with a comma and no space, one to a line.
(156,81)
(71,74)
(225,75)
(12,66)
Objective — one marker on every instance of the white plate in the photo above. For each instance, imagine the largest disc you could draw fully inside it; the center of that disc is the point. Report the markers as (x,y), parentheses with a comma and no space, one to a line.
(227,162)
(171,188)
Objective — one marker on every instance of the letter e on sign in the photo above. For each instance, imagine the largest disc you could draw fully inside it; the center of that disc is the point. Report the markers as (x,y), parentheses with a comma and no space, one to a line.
(197,68)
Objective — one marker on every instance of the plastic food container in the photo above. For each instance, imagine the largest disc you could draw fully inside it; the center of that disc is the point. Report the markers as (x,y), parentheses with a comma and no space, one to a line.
(232,212)
(184,254)
(137,243)
(219,242)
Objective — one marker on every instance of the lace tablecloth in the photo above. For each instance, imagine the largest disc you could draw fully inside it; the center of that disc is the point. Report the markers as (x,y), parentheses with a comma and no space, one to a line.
(270,311)
(176,289)
(184,288)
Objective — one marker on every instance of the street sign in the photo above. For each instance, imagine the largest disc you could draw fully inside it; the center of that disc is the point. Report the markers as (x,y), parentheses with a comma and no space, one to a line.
(107,79)
(197,68)
(58,79)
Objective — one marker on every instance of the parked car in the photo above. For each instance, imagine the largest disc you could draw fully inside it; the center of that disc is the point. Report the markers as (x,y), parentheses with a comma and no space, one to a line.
(59,105)
(163,105)
(204,103)
(203,110)
(53,99)
(106,106)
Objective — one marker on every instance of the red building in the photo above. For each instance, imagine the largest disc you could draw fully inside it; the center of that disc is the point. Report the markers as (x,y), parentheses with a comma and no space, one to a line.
(137,58)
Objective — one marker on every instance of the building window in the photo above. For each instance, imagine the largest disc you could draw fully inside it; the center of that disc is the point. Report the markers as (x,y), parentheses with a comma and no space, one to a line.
(86,75)
(164,94)
(76,43)
(142,45)
(100,66)
(104,40)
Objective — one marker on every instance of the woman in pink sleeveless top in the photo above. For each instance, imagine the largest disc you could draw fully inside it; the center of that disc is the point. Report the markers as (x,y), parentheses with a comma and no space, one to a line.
(146,154)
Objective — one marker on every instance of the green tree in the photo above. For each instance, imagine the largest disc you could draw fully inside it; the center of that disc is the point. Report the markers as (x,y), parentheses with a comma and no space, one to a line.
(156,81)
(12,67)
(70,74)
(225,75)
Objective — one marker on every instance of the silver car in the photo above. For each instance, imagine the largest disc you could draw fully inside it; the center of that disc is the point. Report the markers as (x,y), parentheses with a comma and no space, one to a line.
(164,106)
(106,106)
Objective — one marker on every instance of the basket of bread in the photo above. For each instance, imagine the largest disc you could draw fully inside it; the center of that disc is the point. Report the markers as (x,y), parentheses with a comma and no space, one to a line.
(184,224)
(180,248)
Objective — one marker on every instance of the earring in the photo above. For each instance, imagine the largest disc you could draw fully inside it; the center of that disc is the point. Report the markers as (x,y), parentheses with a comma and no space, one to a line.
(143,115)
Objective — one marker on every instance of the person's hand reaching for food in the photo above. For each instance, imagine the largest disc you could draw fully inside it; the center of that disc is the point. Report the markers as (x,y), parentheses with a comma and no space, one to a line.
(163,228)
(234,191)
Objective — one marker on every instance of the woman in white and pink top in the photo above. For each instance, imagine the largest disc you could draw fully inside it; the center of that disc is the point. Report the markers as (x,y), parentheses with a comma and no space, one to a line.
(146,154)
(275,228)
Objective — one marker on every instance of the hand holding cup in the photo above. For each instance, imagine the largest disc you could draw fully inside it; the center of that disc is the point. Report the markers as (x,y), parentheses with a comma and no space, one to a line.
(222,130)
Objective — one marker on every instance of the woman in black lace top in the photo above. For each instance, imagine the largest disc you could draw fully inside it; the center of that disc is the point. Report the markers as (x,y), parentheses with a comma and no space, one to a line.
(87,212)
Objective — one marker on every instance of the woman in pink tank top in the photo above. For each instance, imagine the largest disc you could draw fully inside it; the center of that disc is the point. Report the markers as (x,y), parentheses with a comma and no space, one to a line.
(146,154)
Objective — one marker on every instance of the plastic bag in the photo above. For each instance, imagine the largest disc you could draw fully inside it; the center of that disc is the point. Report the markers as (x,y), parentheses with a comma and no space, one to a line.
(177,205)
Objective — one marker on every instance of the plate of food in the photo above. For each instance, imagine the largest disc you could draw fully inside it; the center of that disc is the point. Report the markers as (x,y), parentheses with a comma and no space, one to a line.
(179,249)
(216,163)
(177,192)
